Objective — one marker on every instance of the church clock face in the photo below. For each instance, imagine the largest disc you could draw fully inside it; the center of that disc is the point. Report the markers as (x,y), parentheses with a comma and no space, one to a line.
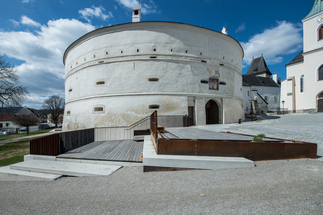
(320,19)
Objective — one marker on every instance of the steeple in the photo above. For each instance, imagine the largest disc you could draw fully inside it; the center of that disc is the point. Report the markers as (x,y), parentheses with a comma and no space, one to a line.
(258,67)
(317,7)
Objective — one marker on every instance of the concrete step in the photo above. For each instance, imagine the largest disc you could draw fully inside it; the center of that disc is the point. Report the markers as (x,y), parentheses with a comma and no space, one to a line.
(65,168)
(151,159)
(8,174)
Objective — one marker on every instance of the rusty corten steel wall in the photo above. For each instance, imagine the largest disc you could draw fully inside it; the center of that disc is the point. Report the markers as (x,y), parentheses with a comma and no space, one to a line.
(255,151)
(47,145)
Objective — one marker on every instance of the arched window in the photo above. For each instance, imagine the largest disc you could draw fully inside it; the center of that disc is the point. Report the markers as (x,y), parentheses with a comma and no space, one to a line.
(320,73)
(301,84)
(320,32)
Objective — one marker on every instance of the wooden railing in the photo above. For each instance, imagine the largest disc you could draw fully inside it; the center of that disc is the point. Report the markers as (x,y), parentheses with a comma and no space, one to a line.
(153,125)
(59,143)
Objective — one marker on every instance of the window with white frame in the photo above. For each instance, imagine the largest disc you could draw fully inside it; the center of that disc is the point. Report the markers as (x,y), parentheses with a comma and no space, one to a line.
(320,73)
(320,33)
(301,84)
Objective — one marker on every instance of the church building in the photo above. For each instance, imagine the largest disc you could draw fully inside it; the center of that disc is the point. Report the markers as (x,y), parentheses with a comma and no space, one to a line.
(302,90)
(260,91)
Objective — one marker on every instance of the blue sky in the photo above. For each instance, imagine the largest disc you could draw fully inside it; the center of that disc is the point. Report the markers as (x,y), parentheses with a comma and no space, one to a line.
(35,33)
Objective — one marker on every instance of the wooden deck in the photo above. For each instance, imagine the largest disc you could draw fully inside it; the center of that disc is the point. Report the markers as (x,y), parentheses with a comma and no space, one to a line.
(112,150)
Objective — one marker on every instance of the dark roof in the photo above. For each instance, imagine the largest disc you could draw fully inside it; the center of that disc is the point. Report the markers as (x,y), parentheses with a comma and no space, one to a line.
(258,66)
(250,80)
(12,110)
(15,110)
(6,117)
(297,59)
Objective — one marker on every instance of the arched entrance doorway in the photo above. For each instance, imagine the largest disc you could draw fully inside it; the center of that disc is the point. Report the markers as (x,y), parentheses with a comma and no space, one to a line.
(212,112)
(320,102)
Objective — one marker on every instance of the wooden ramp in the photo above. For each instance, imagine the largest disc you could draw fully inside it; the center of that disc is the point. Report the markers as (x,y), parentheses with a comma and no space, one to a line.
(112,150)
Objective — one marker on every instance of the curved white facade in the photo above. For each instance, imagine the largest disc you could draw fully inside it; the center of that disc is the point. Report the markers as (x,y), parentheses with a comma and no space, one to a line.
(117,75)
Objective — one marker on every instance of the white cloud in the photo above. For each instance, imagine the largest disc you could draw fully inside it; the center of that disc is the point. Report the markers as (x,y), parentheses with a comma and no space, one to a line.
(25,1)
(14,22)
(241,27)
(27,21)
(42,52)
(89,13)
(146,8)
(273,43)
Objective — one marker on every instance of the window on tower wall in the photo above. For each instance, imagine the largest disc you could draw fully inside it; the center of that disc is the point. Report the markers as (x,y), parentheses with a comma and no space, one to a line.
(320,73)
(320,33)
(301,84)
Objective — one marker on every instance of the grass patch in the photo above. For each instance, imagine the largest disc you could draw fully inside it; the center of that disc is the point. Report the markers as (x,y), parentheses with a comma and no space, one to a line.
(259,138)
(13,152)
(12,136)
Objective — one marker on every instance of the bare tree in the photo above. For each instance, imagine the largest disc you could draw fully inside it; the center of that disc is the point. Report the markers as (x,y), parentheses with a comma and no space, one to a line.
(55,107)
(26,120)
(12,93)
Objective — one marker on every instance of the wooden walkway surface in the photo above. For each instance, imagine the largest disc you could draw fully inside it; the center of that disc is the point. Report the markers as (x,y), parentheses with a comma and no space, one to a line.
(112,150)
(195,133)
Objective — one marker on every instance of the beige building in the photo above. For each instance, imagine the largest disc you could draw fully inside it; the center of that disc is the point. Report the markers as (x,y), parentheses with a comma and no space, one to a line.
(119,74)
(302,90)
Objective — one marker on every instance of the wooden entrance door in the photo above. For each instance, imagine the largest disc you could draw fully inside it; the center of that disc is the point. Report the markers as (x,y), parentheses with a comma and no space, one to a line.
(212,112)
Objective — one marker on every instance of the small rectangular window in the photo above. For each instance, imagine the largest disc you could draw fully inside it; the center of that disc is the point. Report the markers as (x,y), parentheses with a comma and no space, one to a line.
(153,79)
(96,109)
(70,90)
(153,107)
(68,113)
(100,82)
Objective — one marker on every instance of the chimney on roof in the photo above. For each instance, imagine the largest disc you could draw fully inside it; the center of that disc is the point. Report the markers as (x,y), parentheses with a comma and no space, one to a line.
(224,31)
(136,15)
(275,77)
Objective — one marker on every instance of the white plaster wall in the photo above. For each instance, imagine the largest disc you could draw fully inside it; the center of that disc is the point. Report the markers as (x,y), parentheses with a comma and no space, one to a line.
(12,125)
(125,66)
(312,86)
(272,93)
(232,110)
(283,96)
(310,36)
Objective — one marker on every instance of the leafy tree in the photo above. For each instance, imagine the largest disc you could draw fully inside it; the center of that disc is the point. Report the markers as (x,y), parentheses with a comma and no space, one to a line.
(12,93)
(26,120)
(55,107)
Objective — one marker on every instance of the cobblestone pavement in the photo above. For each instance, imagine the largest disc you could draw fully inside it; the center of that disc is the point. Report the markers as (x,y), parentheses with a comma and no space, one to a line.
(307,127)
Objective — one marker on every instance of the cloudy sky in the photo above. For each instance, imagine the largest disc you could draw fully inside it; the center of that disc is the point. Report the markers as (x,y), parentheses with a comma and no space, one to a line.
(35,33)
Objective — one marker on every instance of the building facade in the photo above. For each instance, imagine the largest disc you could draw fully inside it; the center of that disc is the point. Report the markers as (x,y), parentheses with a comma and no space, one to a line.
(260,91)
(119,74)
(302,90)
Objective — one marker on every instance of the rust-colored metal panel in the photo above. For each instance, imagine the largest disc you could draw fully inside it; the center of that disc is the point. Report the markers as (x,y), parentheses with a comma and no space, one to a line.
(177,147)
(267,150)
(47,145)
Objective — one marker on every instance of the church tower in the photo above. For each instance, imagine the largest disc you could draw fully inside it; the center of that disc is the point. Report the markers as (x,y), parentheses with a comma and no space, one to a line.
(303,89)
